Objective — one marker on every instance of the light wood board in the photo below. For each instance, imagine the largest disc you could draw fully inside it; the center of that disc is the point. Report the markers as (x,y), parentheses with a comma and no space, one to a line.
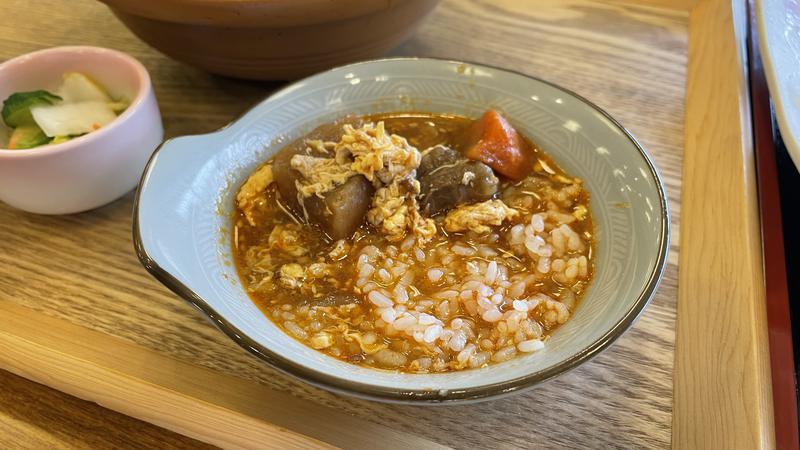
(220,409)
(80,270)
(722,379)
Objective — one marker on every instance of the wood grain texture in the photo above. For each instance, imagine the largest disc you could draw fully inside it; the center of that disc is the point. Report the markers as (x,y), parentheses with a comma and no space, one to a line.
(222,410)
(680,5)
(35,416)
(628,59)
(723,396)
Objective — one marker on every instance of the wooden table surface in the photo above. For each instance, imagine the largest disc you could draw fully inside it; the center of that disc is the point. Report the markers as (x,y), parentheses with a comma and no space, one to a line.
(35,416)
(80,270)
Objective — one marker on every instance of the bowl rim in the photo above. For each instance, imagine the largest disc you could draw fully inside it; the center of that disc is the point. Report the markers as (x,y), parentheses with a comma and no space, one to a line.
(143,90)
(275,14)
(417,396)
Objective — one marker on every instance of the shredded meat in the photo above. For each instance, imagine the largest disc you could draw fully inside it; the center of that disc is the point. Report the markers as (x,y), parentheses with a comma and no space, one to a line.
(376,154)
(319,175)
(252,189)
(478,216)
(395,211)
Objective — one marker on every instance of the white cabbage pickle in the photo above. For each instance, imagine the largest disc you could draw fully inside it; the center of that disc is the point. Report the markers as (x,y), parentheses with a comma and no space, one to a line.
(36,118)
(77,87)
(71,119)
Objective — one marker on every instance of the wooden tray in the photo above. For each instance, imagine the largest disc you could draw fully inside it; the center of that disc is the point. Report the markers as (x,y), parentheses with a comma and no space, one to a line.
(81,315)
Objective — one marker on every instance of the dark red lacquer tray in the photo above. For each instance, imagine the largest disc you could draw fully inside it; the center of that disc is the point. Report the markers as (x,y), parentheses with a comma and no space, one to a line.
(778,187)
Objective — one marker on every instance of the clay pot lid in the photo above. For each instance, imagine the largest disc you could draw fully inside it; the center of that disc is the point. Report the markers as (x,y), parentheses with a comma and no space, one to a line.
(251,13)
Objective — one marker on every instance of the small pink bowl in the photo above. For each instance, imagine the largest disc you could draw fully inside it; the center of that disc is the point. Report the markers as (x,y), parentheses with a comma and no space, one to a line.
(96,168)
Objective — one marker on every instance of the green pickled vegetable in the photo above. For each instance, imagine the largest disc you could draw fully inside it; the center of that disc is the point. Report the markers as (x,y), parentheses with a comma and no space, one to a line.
(60,139)
(17,107)
(27,136)
(119,106)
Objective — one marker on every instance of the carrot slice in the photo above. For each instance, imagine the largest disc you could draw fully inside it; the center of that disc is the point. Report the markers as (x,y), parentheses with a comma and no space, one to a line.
(494,142)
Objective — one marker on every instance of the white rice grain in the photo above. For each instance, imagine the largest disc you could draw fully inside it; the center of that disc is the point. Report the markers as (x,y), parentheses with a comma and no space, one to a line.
(470,285)
(491,272)
(370,338)
(399,270)
(517,289)
(384,275)
(492,315)
(478,359)
(458,341)
(532,345)
(571,272)
(432,333)
(463,250)
(366,270)
(537,223)
(446,294)
(517,234)
(387,314)
(464,355)
(435,274)
(400,294)
(379,299)
(543,266)
(404,322)
(504,354)
(295,330)
(427,319)
(443,309)
(484,303)
(486,252)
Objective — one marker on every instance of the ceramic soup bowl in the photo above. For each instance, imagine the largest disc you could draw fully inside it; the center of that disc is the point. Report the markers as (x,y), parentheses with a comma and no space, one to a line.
(185,202)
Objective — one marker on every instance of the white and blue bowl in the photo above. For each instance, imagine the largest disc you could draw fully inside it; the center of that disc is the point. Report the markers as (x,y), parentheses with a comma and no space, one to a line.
(182,215)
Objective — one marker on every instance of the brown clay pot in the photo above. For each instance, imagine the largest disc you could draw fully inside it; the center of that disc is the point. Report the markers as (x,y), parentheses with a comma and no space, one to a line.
(271,39)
